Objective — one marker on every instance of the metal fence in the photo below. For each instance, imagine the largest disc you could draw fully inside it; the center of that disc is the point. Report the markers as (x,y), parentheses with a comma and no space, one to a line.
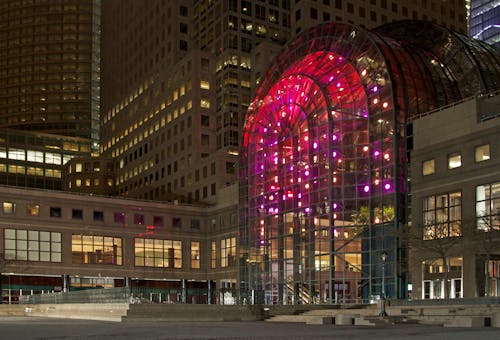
(136,295)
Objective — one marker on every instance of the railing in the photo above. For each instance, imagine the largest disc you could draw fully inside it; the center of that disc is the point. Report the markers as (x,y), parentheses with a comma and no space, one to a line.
(463,100)
(137,295)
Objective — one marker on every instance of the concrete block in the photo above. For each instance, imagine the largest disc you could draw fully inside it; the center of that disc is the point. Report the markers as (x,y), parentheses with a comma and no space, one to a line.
(320,320)
(466,321)
(360,321)
(342,319)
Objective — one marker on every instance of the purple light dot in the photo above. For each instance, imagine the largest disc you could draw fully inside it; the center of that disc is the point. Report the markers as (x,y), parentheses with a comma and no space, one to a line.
(334,137)
(375,89)
(376,153)
(334,205)
(334,154)
(315,145)
(366,188)
(387,186)
(307,173)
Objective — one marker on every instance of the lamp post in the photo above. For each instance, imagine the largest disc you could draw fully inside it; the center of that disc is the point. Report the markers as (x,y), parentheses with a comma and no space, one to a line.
(383,313)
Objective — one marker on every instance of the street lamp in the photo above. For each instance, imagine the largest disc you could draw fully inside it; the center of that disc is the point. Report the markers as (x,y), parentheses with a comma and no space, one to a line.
(383,313)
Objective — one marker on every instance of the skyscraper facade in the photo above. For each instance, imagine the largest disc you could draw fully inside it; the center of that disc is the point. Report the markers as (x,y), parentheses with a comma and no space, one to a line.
(485,21)
(178,76)
(49,84)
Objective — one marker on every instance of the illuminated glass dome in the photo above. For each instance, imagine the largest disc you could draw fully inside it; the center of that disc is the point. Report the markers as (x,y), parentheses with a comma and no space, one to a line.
(323,160)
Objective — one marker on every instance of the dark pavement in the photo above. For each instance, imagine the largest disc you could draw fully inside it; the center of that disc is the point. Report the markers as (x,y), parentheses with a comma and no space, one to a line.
(20,328)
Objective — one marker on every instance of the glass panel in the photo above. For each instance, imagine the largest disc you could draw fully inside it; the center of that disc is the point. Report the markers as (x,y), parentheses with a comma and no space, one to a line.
(482,153)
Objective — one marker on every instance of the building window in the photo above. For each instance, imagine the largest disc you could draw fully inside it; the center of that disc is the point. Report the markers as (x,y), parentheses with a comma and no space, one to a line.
(213,255)
(33,210)
(77,214)
(195,224)
(176,222)
(88,249)
(55,212)
(98,216)
(158,221)
(195,255)
(119,217)
(228,252)
(428,167)
(454,160)
(139,219)
(32,245)
(9,208)
(442,216)
(158,253)
(488,206)
(482,153)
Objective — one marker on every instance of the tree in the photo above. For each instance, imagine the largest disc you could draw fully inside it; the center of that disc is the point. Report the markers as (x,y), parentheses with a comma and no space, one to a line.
(486,235)
(440,239)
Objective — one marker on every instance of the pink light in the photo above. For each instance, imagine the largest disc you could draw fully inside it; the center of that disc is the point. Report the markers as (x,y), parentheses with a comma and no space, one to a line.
(307,209)
(335,205)
(315,145)
(306,138)
(334,154)
(376,153)
(375,89)
(306,173)
(366,188)
(387,186)
(334,137)
(271,198)
(338,84)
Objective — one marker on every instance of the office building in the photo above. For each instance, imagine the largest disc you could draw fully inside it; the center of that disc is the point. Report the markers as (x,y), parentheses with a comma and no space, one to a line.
(455,204)
(167,65)
(485,21)
(49,87)
(58,241)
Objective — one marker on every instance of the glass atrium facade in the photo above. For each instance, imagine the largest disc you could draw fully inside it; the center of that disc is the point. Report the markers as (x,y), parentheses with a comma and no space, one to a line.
(324,180)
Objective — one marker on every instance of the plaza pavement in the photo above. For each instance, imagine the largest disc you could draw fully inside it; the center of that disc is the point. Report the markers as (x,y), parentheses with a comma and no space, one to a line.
(21,328)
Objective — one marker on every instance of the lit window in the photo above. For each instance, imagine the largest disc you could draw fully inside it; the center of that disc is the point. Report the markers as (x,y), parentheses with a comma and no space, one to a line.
(428,167)
(482,153)
(33,209)
(87,249)
(9,207)
(32,245)
(78,183)
(205,103)
(195,255)
(488,206)
(454,161)
(205,85)
(78,167)
(158,253)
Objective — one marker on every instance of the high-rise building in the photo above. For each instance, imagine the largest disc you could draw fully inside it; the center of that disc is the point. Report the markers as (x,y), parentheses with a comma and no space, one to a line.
(485,21)
(49,87)
(177,79)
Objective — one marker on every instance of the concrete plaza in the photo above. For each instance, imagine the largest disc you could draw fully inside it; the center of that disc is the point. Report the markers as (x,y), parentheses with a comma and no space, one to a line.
(20,328)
